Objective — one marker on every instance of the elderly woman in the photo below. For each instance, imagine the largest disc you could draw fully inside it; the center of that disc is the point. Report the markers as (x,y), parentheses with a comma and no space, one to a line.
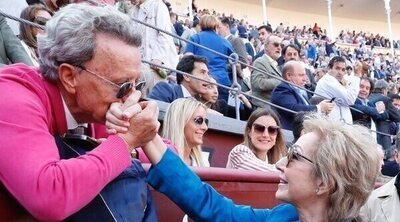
(263,143)
(39,14)
(327,175)
(185,123)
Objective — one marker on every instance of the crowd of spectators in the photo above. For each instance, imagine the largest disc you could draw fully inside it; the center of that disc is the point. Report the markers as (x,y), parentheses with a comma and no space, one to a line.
(354,85)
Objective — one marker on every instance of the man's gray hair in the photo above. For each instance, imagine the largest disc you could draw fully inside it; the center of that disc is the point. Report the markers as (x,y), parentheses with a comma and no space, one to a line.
(70,35)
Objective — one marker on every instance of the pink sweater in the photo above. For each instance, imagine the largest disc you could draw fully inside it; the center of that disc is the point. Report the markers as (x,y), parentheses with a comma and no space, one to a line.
(31,112)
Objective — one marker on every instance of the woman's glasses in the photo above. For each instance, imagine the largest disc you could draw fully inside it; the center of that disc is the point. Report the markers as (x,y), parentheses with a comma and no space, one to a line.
(199,120)
(293,154)
(272,130)
(40,20)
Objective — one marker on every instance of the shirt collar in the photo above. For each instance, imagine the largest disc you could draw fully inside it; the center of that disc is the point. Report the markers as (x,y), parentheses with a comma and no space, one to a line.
(275,63)
(71,122)
(185,92)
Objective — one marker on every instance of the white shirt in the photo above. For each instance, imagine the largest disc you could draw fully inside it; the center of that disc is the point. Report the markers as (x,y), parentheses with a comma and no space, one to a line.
(329,87)
(186,93)
(71,122)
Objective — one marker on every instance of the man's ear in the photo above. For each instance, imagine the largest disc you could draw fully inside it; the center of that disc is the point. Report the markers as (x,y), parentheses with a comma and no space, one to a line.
(67,75)
(186,78)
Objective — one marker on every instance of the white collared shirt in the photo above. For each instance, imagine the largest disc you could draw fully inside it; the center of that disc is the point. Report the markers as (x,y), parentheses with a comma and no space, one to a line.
(71,122)
(186,93)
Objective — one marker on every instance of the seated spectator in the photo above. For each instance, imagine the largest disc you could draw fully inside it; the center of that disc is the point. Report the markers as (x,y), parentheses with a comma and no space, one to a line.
(185,123)
(384,203)
(187,86)
(333,85)
(314,177)
(11,50)
(379,96)
(370,113)
(221,107)
(395,126)
(35,13)
(263,143)
(290,96)
(208,37)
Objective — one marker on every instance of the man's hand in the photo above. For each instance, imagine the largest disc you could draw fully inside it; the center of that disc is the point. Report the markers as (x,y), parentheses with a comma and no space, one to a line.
(118,115)
(143,125)
(326,106)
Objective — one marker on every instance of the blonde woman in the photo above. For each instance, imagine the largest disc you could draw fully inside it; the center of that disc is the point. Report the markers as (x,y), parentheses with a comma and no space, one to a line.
(185,123)
(263,143)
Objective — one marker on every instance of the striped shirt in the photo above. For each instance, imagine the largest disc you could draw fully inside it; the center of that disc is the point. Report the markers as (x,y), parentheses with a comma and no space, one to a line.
(241,157)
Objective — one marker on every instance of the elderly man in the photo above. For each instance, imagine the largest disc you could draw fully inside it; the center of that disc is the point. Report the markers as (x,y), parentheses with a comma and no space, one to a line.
(90,58)
(262,82)
(290,97)
(334,86)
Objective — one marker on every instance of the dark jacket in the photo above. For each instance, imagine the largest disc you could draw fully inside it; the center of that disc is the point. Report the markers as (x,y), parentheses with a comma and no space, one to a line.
(166,92)
(369,112)
(286,96)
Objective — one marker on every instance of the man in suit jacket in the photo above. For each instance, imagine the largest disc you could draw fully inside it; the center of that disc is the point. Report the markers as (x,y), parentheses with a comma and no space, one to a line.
(290,97)
(384,203)
(11,50)
(371,112)
(186,87)
(266,66)
(380,95)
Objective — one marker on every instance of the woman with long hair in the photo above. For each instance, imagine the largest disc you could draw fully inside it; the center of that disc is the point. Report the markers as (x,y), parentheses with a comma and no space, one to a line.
(185,123)
(263,143)
(39,14)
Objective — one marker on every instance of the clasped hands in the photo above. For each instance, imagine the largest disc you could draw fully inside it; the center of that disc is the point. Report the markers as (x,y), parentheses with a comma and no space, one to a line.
(136,122)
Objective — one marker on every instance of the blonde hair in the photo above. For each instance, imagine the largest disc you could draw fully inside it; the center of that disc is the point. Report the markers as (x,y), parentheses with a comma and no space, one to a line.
(346,159)
(208,23)
(178,114)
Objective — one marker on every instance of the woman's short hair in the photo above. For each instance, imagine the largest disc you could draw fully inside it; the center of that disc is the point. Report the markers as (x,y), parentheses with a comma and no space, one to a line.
(178,114)
(346,159)
(277,151)
(71,35)
(208,23)
(25,31)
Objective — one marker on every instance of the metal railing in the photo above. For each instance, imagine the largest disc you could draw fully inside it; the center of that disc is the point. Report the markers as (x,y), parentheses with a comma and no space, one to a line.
(232,59)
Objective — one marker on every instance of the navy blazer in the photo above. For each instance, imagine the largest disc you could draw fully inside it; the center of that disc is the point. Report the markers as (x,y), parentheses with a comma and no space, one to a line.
(286,96)
(369,112)
(166,92)
(201,202)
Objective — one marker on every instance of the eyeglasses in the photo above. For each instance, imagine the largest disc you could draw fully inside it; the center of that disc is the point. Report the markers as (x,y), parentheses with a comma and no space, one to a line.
(199,120)
(272,130)
(276,44)
(295,155)
(124,88)
(41,20)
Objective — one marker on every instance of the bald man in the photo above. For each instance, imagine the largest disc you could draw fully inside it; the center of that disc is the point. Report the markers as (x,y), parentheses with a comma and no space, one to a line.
(290,97)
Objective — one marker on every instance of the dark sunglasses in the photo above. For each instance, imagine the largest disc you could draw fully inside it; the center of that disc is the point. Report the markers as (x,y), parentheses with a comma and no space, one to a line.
(276,44)
(124,88)
(199,120)
(272,130)
(40,20)
(293,154)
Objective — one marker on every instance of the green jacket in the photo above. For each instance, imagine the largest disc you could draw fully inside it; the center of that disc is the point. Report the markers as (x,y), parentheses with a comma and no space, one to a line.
(11,50)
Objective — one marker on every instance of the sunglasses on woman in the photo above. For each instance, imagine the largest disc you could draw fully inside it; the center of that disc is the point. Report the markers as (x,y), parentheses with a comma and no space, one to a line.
(293,154)
(200,120)
(272,130)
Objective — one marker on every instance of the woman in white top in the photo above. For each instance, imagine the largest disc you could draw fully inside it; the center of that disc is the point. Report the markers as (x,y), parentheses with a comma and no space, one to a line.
(39,14)
(185,123)
(263,143)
